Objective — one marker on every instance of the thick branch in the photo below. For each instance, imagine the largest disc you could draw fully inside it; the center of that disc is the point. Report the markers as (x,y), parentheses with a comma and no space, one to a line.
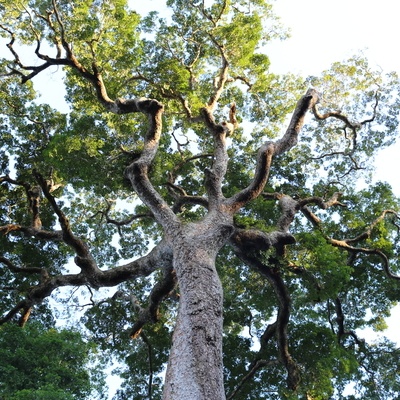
(289,139)
(159,258)
(137,172)
(256,240)
(320,202)
(23,270)
(341,333)
(273,276)
(14,311)
(271,149)
(83,258)
(282,294)
(215,175)
(33,195)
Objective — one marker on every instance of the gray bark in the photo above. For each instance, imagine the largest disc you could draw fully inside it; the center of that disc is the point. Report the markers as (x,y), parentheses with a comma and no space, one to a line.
(195,368)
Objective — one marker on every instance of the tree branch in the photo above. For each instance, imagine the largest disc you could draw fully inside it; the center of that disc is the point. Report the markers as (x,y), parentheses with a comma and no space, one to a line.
(341,332)
(215,175)
(151,372)
(83,259)
(157,295)
(159,258)
(137,171)
(221,79)
(22,305)
(346,243)
(270,149)
(282,294)
(23,270)
(251,372)
(273,276)
(105,215)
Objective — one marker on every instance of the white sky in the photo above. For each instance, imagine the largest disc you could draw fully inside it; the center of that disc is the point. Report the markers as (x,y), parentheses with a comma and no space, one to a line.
(324,31)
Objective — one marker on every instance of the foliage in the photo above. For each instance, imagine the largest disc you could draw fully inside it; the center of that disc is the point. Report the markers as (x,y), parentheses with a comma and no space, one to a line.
(69,216)
(39,363)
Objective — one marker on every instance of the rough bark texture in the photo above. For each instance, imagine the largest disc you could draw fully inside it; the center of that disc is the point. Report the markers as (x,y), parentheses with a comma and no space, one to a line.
(195,368)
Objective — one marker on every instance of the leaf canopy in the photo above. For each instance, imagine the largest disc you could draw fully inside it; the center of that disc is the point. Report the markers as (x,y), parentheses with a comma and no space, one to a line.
(64,194)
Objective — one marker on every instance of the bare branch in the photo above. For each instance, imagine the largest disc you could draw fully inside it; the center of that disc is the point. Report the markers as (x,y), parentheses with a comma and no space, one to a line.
(33,197)
(24,316)
(374,110)
(105,214)
(338,115)
(137,172)
(340,319)
(215,175)
(22,305)
(334,114)
(159,257)
(251,372)
(182,198)
(23,270)
(289,139)
(320,202)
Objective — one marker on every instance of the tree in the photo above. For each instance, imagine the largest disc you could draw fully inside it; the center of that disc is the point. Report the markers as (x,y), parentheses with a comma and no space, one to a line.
(246,255)
(38,363)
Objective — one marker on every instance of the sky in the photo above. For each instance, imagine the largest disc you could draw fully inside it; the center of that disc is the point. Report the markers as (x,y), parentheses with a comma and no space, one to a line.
(324,31)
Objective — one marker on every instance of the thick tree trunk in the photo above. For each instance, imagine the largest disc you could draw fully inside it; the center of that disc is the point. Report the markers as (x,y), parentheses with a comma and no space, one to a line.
(195,368)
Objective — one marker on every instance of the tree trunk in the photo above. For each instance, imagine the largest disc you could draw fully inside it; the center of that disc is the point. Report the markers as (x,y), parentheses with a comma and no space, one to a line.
(195,367)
